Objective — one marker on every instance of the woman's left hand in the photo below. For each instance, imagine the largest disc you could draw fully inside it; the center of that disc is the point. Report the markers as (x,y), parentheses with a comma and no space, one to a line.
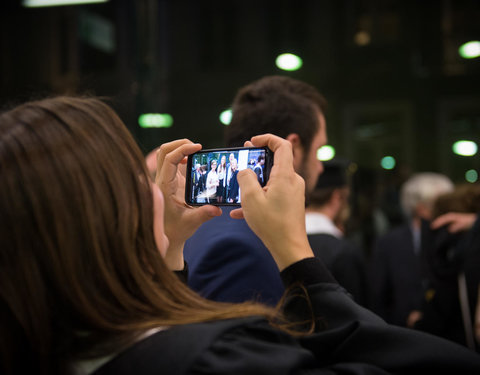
(181,220)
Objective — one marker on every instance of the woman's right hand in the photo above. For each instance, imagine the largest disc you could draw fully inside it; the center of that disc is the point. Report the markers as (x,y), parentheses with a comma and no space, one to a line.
(276,213)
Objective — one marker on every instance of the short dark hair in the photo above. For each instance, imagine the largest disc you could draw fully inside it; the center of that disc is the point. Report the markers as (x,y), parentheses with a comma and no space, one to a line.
(320,197)
(334,176)
(277,105)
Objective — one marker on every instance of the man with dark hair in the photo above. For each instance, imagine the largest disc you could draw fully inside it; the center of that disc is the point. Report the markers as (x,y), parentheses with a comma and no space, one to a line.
(258,169)
(227,261)
(325,217)
(288,108)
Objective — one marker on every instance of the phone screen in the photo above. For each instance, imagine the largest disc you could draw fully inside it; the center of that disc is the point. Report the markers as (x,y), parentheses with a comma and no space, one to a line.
(212,174)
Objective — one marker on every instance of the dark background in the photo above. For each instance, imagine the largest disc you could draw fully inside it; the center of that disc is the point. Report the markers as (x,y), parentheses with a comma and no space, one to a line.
(407,93)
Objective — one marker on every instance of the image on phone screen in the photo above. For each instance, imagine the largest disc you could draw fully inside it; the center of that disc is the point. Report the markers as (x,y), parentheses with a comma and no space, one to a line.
(212,174)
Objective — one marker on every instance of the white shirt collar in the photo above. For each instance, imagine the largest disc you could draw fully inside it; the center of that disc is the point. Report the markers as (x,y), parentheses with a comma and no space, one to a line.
(317,223)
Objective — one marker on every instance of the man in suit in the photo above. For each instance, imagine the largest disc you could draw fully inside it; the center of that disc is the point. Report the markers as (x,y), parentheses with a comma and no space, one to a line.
(258,169)
(397,273)
(196,179)
(325,217)
(228,176)
(233,188)
(227,262)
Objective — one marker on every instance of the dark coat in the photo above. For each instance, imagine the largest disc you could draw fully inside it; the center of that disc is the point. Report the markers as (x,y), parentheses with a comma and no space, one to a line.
(233,187)
(345,261)
(396,276)
(448,256)
(348,339)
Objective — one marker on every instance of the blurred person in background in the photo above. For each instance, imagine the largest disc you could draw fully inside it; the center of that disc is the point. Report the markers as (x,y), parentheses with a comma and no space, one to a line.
(327,211)
(396,271)
(451,247)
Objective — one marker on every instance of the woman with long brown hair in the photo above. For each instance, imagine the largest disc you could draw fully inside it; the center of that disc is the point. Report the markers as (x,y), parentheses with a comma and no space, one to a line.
(88,243)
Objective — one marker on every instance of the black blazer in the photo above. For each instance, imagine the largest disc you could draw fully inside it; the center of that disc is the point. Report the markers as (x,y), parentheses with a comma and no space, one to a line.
(396,276)
(232,191)
(345,261)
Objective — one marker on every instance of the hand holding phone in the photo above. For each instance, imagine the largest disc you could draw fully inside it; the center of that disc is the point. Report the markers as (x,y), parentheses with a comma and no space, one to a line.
(276,214)
(212,174)
(170,178)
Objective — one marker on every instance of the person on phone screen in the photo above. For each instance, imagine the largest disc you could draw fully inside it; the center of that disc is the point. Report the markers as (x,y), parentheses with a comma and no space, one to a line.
(232,196)
(258,169)
(212,181)
(228,174)
(196,179)
(221,173)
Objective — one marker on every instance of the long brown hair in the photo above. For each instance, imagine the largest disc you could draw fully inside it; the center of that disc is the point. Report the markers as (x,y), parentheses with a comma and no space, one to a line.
(80,274)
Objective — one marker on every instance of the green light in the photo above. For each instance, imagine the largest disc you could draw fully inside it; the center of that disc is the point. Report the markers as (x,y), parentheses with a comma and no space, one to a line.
(288,61)
(465,148)
(471,175)
(53,3)
(155,120)
(226,117)
(325,153)
(388,162)
(470,50)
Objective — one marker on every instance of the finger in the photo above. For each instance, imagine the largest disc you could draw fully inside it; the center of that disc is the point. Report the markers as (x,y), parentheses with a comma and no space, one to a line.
(166,148)
(442,220)
(250,189)
(248,144)
(283,155)
(237,213)
(207,212)
(463,222)
(167,169)
(193,218)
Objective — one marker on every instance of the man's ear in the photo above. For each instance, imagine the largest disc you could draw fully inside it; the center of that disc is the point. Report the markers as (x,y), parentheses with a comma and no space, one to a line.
(297,149)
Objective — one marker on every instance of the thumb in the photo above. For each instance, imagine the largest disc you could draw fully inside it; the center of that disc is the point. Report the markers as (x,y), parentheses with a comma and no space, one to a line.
(250,189)
(196,216)
(205,213)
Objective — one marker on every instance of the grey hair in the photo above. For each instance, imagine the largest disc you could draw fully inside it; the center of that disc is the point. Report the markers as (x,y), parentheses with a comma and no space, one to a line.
(423,188)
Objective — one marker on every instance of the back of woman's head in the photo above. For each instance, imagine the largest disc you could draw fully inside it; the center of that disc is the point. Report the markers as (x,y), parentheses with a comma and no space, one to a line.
(75,225)
(80,273)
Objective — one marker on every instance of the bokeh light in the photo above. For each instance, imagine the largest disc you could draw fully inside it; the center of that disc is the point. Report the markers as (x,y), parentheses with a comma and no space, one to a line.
(471,175)
(226,117)
(388,162)
(289,62)
(155,120)
(470,50)
(465,148)
(325,153)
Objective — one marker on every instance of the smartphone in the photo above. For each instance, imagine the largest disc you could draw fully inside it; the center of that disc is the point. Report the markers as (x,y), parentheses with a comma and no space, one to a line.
(212,174)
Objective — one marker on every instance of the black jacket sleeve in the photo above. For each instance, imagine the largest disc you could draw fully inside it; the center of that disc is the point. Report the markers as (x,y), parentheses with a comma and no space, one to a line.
(345,332)
(351,340)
